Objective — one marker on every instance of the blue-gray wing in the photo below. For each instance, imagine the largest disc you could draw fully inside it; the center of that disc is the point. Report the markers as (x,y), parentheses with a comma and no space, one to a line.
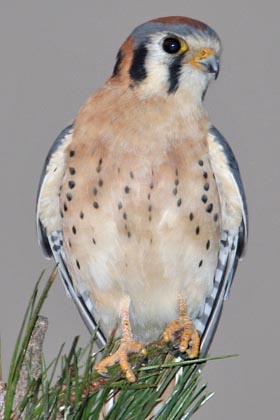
(234,232)
(49,227)
(234,169)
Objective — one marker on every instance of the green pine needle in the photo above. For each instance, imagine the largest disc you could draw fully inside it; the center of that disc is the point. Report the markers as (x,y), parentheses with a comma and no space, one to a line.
(80,393)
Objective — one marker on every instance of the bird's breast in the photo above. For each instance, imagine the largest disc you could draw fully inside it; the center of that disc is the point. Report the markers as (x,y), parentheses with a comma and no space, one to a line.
(149,230)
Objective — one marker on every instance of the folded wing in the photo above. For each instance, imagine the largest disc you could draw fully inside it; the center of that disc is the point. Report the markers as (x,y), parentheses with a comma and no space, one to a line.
(234,232)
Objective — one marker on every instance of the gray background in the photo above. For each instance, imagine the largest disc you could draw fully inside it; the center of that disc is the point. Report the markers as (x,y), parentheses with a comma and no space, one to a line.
(52,56)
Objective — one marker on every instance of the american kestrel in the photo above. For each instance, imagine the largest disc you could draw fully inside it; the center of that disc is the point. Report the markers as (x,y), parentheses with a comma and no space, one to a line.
(141,203)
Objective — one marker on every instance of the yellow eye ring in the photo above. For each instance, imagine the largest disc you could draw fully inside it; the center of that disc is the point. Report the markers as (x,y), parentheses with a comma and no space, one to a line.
(184,46)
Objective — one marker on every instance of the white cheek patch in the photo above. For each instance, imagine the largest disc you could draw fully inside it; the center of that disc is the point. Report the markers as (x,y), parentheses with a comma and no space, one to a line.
(195,81)
(158,73)
(158,64)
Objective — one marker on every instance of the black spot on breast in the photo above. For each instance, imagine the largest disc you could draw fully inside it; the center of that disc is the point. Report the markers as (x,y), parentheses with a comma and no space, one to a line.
(149,196)
(100,183)
(200,162)
(72,153)
(69,243)
(72,171)
(205,175)
(93,241)
(95,205)
(71,184)
(175,191)
(81,215)
(197,230)
(150,208)
(120,205)
(200,263)
(191,216)
(206,186)
(74,230)
(65,208)
(78,264)
(61,214)
(176,182)
(209,208)
(95,191)
(204,198)
(151,185)
(128,234)
(125,216)
(99,166)
(137,69)
(69,196)
(208,244)
(179,202)
(216,217)
(131,174)
(126,189)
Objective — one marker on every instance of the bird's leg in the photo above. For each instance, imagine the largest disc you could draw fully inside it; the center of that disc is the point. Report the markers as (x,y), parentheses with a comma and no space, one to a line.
(127,346)
(190,340)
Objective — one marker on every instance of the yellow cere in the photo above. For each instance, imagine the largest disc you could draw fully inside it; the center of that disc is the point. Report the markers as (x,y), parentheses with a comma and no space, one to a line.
(201,55)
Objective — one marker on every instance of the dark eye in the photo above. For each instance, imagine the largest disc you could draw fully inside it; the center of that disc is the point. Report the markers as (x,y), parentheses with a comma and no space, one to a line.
(171,45)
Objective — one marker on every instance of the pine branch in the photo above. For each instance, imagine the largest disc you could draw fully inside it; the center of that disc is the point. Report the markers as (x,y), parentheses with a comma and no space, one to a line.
(31,365)
(166,389)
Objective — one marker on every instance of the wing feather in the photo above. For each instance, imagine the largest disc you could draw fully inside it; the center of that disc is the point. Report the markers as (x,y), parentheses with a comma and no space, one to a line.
(234,234)
(49,229)
(79,297)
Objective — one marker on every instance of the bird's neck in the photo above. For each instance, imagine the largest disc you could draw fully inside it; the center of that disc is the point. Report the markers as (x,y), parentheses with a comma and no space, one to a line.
(184,103)
(128,121)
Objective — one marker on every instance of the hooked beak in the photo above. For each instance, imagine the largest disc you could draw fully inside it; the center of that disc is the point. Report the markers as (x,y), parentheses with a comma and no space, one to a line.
(206,60)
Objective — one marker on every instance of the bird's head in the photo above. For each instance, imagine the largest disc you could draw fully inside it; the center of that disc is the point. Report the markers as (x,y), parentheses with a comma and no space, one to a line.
(168,56)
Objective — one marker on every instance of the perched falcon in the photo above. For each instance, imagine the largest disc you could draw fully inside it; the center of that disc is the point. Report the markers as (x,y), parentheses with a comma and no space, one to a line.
(141,203)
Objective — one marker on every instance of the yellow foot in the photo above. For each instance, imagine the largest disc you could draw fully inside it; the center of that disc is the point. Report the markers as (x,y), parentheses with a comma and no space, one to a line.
(190,340)
(127,346)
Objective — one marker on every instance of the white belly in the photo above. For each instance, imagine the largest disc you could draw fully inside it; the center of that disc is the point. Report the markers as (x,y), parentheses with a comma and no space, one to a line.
(151,237)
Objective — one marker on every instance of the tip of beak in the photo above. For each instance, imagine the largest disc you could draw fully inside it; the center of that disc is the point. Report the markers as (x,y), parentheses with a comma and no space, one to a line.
(211,65)
(216,73)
